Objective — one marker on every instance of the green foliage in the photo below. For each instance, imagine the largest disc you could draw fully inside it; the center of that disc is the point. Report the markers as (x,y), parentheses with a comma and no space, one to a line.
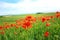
(35,33)
(1,16)
(39,13)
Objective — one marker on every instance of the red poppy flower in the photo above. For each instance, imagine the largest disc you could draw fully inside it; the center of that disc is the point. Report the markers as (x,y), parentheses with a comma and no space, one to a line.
(47,24)
(12,25)
(58,14)
(43,19)
(46,34)
(18,23)
(33,19)
(17,26)
(1,27)
(28,18)
(48,18)
(7,26)
(52,16)
(26,24)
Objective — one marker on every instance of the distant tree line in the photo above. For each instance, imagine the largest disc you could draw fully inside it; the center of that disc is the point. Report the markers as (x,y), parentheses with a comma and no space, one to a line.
(39,13)
(1,16)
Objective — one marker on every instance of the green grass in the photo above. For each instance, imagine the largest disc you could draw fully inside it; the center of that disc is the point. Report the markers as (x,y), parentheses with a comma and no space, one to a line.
(34,33)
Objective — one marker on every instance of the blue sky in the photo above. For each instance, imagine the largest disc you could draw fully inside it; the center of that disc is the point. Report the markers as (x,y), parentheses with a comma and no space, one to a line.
(10,1)
(9,7)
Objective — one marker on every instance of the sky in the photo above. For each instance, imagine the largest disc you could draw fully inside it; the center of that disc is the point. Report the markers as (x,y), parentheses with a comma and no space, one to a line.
(9,7)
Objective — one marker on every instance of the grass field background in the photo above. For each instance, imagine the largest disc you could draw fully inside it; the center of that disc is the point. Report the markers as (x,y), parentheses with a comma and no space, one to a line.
(47,30)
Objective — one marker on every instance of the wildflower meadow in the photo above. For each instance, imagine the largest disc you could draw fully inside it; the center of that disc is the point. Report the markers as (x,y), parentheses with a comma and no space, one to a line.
(30,27)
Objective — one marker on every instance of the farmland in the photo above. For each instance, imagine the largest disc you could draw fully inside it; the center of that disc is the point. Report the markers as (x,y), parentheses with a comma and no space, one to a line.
(30,27)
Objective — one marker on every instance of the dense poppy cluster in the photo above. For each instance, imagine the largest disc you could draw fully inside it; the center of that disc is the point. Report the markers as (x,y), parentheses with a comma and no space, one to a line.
(46,18)
(27,22)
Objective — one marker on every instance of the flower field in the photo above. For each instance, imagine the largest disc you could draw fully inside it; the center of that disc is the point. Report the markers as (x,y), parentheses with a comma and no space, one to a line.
(30,27)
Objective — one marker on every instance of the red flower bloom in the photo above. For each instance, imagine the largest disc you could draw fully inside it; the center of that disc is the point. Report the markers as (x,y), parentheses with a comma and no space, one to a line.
(43,19)
(52,16)
(28,18)
(33,19)
(17,26)
(18,22)
(12,25)
(26,24)
(46,34)
(1,27)
(47,24)
(7,26)
(57,14)
(48,18)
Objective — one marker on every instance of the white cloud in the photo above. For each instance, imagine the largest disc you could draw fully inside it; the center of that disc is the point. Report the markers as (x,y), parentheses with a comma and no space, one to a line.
(31,7)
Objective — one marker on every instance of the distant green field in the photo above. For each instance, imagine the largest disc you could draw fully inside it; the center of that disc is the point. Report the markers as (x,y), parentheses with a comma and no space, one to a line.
(15,17)
(45,28)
